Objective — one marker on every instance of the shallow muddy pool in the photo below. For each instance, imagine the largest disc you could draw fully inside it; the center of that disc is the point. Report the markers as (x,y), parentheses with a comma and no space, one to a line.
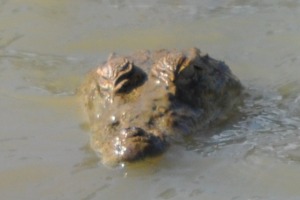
(46,48)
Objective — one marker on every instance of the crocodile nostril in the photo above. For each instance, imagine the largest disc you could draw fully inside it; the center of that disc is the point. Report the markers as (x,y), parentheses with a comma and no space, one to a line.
(132,132)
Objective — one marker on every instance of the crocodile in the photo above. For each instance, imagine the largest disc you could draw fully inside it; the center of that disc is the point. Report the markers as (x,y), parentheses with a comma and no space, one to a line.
(138,104)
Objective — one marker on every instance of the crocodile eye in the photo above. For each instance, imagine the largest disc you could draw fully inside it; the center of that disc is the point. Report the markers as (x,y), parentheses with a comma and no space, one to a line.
(118,75)
(167,68)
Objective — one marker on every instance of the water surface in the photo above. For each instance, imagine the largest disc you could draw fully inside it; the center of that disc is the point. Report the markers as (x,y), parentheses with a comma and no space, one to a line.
(46,47)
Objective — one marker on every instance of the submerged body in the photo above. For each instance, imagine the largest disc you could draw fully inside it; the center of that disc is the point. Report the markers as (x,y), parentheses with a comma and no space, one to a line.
(137,104)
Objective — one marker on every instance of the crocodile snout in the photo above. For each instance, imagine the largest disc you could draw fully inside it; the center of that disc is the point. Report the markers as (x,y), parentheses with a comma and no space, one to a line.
(135,143)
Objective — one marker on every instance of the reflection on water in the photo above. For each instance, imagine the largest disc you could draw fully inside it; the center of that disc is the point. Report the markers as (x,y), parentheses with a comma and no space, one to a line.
(46,47)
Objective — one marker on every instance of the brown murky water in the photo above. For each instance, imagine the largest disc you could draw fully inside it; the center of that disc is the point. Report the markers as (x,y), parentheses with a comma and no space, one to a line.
(46,47)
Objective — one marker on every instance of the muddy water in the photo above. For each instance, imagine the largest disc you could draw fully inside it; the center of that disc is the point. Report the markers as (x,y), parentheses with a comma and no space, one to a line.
(46,47)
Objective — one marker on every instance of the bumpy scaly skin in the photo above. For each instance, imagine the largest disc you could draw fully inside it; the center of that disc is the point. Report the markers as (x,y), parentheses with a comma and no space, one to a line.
(136,103)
